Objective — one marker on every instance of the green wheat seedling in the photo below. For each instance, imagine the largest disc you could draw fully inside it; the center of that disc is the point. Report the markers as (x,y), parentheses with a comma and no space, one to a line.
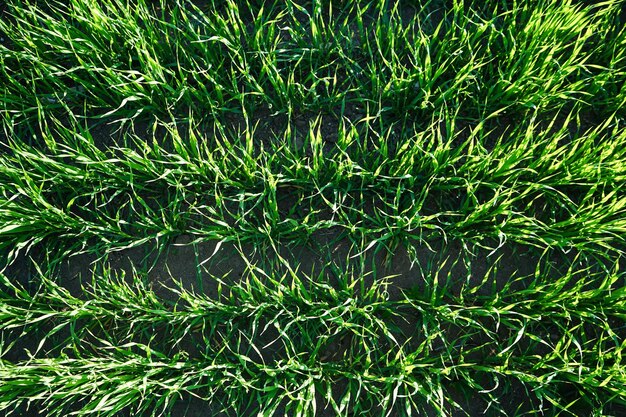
(307,315)
(133,60)
(130,307)
(576,318)
(127,196)
(376,127)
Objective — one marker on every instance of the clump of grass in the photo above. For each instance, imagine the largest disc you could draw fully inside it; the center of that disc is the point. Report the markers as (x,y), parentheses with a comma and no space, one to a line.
(435,183)
(479,124)
(109,327)
(294,337)
(130,60)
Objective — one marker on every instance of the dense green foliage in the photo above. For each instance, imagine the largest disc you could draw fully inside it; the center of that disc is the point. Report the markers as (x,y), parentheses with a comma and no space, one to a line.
(386,127)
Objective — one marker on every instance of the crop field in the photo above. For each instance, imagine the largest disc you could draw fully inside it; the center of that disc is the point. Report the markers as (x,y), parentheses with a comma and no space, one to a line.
(312,208)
